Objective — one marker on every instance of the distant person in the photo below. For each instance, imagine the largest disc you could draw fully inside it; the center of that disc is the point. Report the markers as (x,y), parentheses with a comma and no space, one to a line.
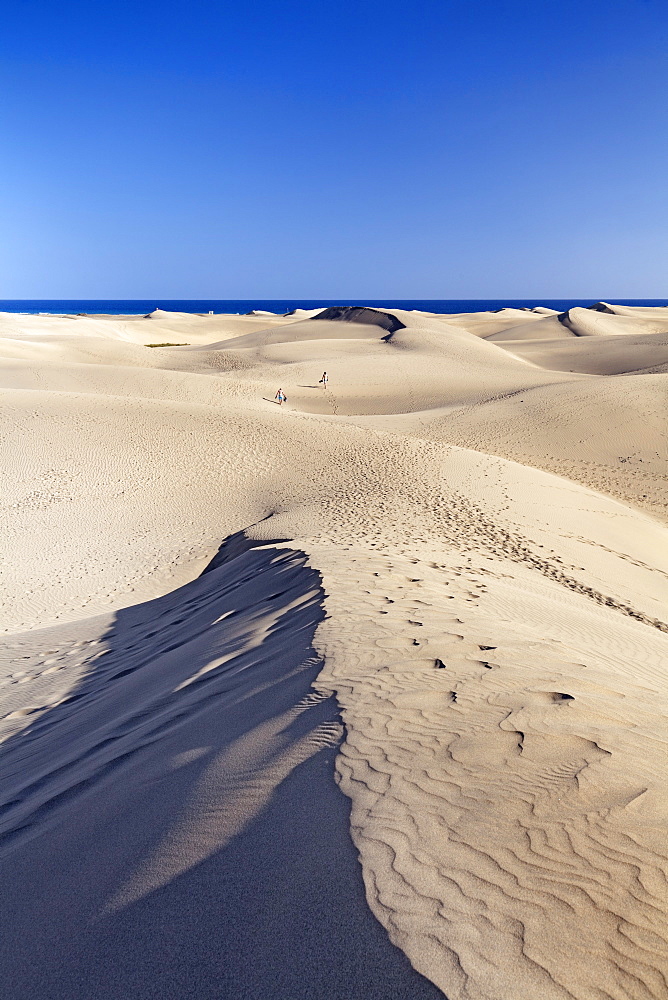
(280,397)
(324,380)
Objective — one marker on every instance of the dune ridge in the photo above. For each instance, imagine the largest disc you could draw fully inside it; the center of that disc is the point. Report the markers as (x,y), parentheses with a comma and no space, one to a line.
(441,578)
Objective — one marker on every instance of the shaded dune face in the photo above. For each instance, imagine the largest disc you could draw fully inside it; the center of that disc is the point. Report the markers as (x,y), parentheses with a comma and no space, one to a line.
(213,640)
(169,796)
(442,586)
(360,314)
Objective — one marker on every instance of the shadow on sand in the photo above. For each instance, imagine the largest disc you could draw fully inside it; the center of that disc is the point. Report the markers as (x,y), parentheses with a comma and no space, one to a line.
(173,830)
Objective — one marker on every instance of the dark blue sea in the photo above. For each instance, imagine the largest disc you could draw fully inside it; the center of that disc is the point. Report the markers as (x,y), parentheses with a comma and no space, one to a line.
(142,306)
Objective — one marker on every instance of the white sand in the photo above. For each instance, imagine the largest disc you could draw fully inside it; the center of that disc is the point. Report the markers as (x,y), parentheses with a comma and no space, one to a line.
(462,540)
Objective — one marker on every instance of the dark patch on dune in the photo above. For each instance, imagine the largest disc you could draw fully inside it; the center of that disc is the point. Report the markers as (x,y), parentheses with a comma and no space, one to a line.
(362,314)
(565,320)
(272,906)
(236,545)
(602,307)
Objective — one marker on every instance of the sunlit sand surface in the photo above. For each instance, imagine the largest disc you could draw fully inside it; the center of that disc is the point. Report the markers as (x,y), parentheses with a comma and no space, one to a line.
(438,581)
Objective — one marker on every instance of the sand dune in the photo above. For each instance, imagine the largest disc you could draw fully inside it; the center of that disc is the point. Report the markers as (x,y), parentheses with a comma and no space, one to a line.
(307,329)
(597,321)
(602,356)
(487,324)
(638,312)
(608,434)
(591,323)
(543,328)
(441,578)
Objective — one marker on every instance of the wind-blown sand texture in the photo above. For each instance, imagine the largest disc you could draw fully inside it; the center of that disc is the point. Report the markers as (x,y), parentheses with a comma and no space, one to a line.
(440,580)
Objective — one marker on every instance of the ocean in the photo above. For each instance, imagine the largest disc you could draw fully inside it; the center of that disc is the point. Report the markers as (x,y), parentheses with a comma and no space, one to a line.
(143,306)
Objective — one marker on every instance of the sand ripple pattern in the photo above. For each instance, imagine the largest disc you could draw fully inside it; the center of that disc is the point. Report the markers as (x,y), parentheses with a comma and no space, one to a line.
(480,499)
(505,847)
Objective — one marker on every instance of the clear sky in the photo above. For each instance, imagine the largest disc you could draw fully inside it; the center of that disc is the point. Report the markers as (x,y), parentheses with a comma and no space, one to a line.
(334,148)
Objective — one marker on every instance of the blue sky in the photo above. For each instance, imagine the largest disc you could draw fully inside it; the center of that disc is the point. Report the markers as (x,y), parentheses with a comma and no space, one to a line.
(280,148)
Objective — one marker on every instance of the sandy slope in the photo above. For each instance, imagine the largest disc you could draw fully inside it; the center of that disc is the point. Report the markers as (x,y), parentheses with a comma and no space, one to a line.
(618,356)
(492,633)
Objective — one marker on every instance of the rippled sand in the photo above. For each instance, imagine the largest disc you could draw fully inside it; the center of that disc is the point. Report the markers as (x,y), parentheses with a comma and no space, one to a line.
(439,580)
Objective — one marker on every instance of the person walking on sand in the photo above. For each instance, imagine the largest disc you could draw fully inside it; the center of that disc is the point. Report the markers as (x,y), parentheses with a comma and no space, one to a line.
(280,397)
(324,380)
